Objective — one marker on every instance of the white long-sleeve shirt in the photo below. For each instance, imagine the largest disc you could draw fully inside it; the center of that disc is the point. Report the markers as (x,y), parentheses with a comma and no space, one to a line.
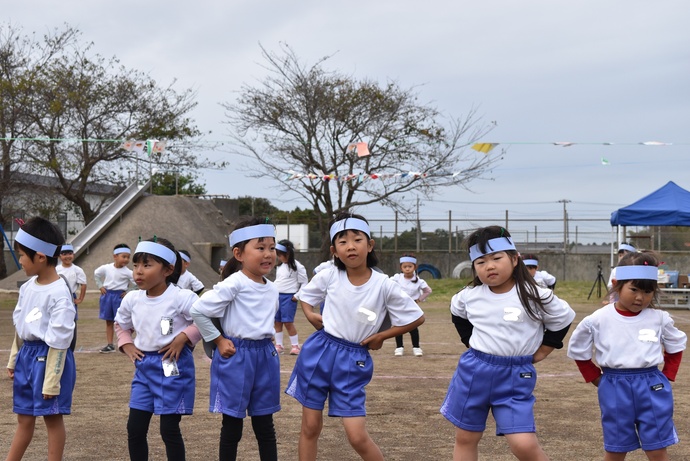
(289,281)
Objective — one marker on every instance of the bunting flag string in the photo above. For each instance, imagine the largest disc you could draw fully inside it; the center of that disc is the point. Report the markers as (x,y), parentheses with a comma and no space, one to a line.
(359,177)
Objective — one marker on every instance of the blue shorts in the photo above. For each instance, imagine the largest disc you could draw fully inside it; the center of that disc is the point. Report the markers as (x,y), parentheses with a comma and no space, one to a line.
(287,308)
(109,303)
(29,373)
(157,393)
(248,382)
(636,410)
(330,367)
(484,382)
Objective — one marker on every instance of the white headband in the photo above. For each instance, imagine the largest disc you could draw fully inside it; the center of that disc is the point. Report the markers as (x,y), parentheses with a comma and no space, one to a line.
(185,257)
(222,262)
(637,273)
(252,232)
(626,247)
(349,224)
(35,244)
(282,248)
(157,249)
(530,262)
(408,259)
(117,251)
(492,246)
(67,247)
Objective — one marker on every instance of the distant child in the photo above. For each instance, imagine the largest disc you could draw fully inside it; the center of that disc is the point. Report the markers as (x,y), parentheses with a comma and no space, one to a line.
(113,280)
(417,289)
(41,363)
(509,323)
(623,249)
(543,278)
(630,339)
(335,363)
(164,378)
(245,368)
(221,266)
(290,277)
(76,280)
(187,280)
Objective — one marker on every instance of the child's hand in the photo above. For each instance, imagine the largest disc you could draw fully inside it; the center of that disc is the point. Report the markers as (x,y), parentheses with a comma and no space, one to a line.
(132,352)
(78,300)
(103,290)
(596,381)
(375,341)
(174,349)
(315,319)
(47,397)
(10,373)
(225,347)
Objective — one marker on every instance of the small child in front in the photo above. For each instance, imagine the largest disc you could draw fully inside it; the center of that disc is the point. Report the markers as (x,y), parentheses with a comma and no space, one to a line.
(41,363)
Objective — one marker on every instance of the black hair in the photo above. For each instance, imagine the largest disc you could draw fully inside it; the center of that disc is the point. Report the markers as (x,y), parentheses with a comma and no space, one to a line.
(144,258)
(529,256)
(415,279)
(290,253)
(46,231)
(527,289)
(372,259)
(233,265)
(639,259)
(121,245)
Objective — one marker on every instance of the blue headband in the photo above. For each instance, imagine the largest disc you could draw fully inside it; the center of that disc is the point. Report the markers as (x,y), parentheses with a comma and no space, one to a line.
(349,224)
(185,257)
(117,251)
(626,247)
(530,262)
(637,273)
(408,259)
(35,244)
(67,247)
(252,232)
(157,249)
(282,248)
(223,262)
(492,246)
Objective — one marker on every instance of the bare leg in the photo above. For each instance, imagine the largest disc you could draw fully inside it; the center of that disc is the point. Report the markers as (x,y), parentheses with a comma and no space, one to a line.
(525,446)
(611,456)
(312,423)
(55,427)
(357,435)
(109,331)
(290,327)
(22,437)
(657,455)
(466,445)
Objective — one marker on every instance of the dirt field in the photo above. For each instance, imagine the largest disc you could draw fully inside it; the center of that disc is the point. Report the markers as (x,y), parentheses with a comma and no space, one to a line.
(403,402)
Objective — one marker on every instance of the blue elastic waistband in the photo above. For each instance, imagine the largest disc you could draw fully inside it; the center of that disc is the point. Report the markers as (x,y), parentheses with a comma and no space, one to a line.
(629,371)
(36,343)
(341,341)
(501,360)
(251,343)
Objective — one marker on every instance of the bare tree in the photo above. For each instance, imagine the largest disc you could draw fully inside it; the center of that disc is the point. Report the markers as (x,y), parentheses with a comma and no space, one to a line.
(303,118)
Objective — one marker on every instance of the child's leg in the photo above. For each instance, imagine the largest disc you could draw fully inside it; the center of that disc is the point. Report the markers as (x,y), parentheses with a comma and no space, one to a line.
(137,429)
(525,446)
(22,437)
(109,331)
(657,455)
(399,341)
(55,427)
(172,437)
(414,335)
(466,445)
(357,435)
(266,437)
(611,456)
(312,423)
(290,327)
(230,436)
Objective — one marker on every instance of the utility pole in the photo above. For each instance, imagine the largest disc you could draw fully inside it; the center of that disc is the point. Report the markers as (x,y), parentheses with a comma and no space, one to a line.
(419,229)
(565,232)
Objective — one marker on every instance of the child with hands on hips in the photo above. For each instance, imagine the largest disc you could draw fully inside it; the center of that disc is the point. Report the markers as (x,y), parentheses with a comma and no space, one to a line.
(164,378)
(630,339)
(334,363)
(41,363)
(245,368)
(509,323)
(417,289)
(291,275)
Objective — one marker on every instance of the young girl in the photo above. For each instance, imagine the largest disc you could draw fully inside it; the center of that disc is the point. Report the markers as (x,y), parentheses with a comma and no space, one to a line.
(509,323)
(245,369)
(290,277)
(418,290)
(335,363)
(630,339)
(41,363)
(164,377)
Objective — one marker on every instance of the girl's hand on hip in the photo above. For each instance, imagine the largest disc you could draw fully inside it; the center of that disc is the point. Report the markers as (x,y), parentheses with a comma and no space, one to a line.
(225,347)
(132,352)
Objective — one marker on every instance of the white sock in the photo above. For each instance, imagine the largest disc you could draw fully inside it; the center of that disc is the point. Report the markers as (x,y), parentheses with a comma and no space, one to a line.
(294,340)
(279,338)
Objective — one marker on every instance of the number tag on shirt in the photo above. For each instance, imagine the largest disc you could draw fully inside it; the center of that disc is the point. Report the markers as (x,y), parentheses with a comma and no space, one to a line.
(647,336)
(34,315)
(366,316)
(512,314)
(166,326)
(170,367)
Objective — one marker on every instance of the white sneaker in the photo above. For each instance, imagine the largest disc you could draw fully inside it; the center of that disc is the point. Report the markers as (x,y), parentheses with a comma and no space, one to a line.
(417,351)
(398,352)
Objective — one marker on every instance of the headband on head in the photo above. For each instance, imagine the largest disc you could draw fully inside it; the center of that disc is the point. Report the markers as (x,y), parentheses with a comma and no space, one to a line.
(222,262)
(117,251)
(185,257)
(349,224)
(530,262)
(626,247)
(67,247)
(157,249)
(408,259)
(282,248)
(252,232)
(35,244)
(637,273)
(492,246)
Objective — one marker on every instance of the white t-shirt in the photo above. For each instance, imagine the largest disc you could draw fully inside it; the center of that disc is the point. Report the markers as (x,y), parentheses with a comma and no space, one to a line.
(324,265)
(626,342)
(413,289)
(544,279)
(45,313)
(289,281)
(246,308)
(354,313)
(188,281)
(502,326)
(156,320)
(113,278)
(75,276)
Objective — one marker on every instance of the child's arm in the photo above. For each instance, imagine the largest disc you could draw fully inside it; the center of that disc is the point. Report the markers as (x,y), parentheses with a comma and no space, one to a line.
(671,364)
(375,341)
(174,349)
(126,344)
(14,350)
(315,319)
(82,293)
(426,291)
(589,371)
(55,365)
(552,340)
(464,328)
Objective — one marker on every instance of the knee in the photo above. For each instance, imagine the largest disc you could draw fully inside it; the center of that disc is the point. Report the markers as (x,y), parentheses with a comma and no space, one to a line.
(358,439)
(263,427)
(170,427)
(311,429)
(138,424)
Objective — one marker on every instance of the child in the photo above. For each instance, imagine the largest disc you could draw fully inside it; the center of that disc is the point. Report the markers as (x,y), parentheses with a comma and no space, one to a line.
(164,379)
(623,250)
(245,368)
(543,278)
(509,323)
(630,339)
(335,363)
(41,363)
(290,277)
(418,290)
(76,280)
(113,280)
(187,280)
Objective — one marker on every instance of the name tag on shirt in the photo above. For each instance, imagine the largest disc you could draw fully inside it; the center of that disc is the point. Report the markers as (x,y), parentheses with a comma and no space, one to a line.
(170,367)
(166,326)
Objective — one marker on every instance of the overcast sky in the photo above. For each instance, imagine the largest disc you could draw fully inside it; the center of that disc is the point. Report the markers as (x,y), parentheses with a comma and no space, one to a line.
(587,72)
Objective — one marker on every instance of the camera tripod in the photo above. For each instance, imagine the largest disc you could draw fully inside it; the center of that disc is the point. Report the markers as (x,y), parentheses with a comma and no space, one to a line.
(598,282)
